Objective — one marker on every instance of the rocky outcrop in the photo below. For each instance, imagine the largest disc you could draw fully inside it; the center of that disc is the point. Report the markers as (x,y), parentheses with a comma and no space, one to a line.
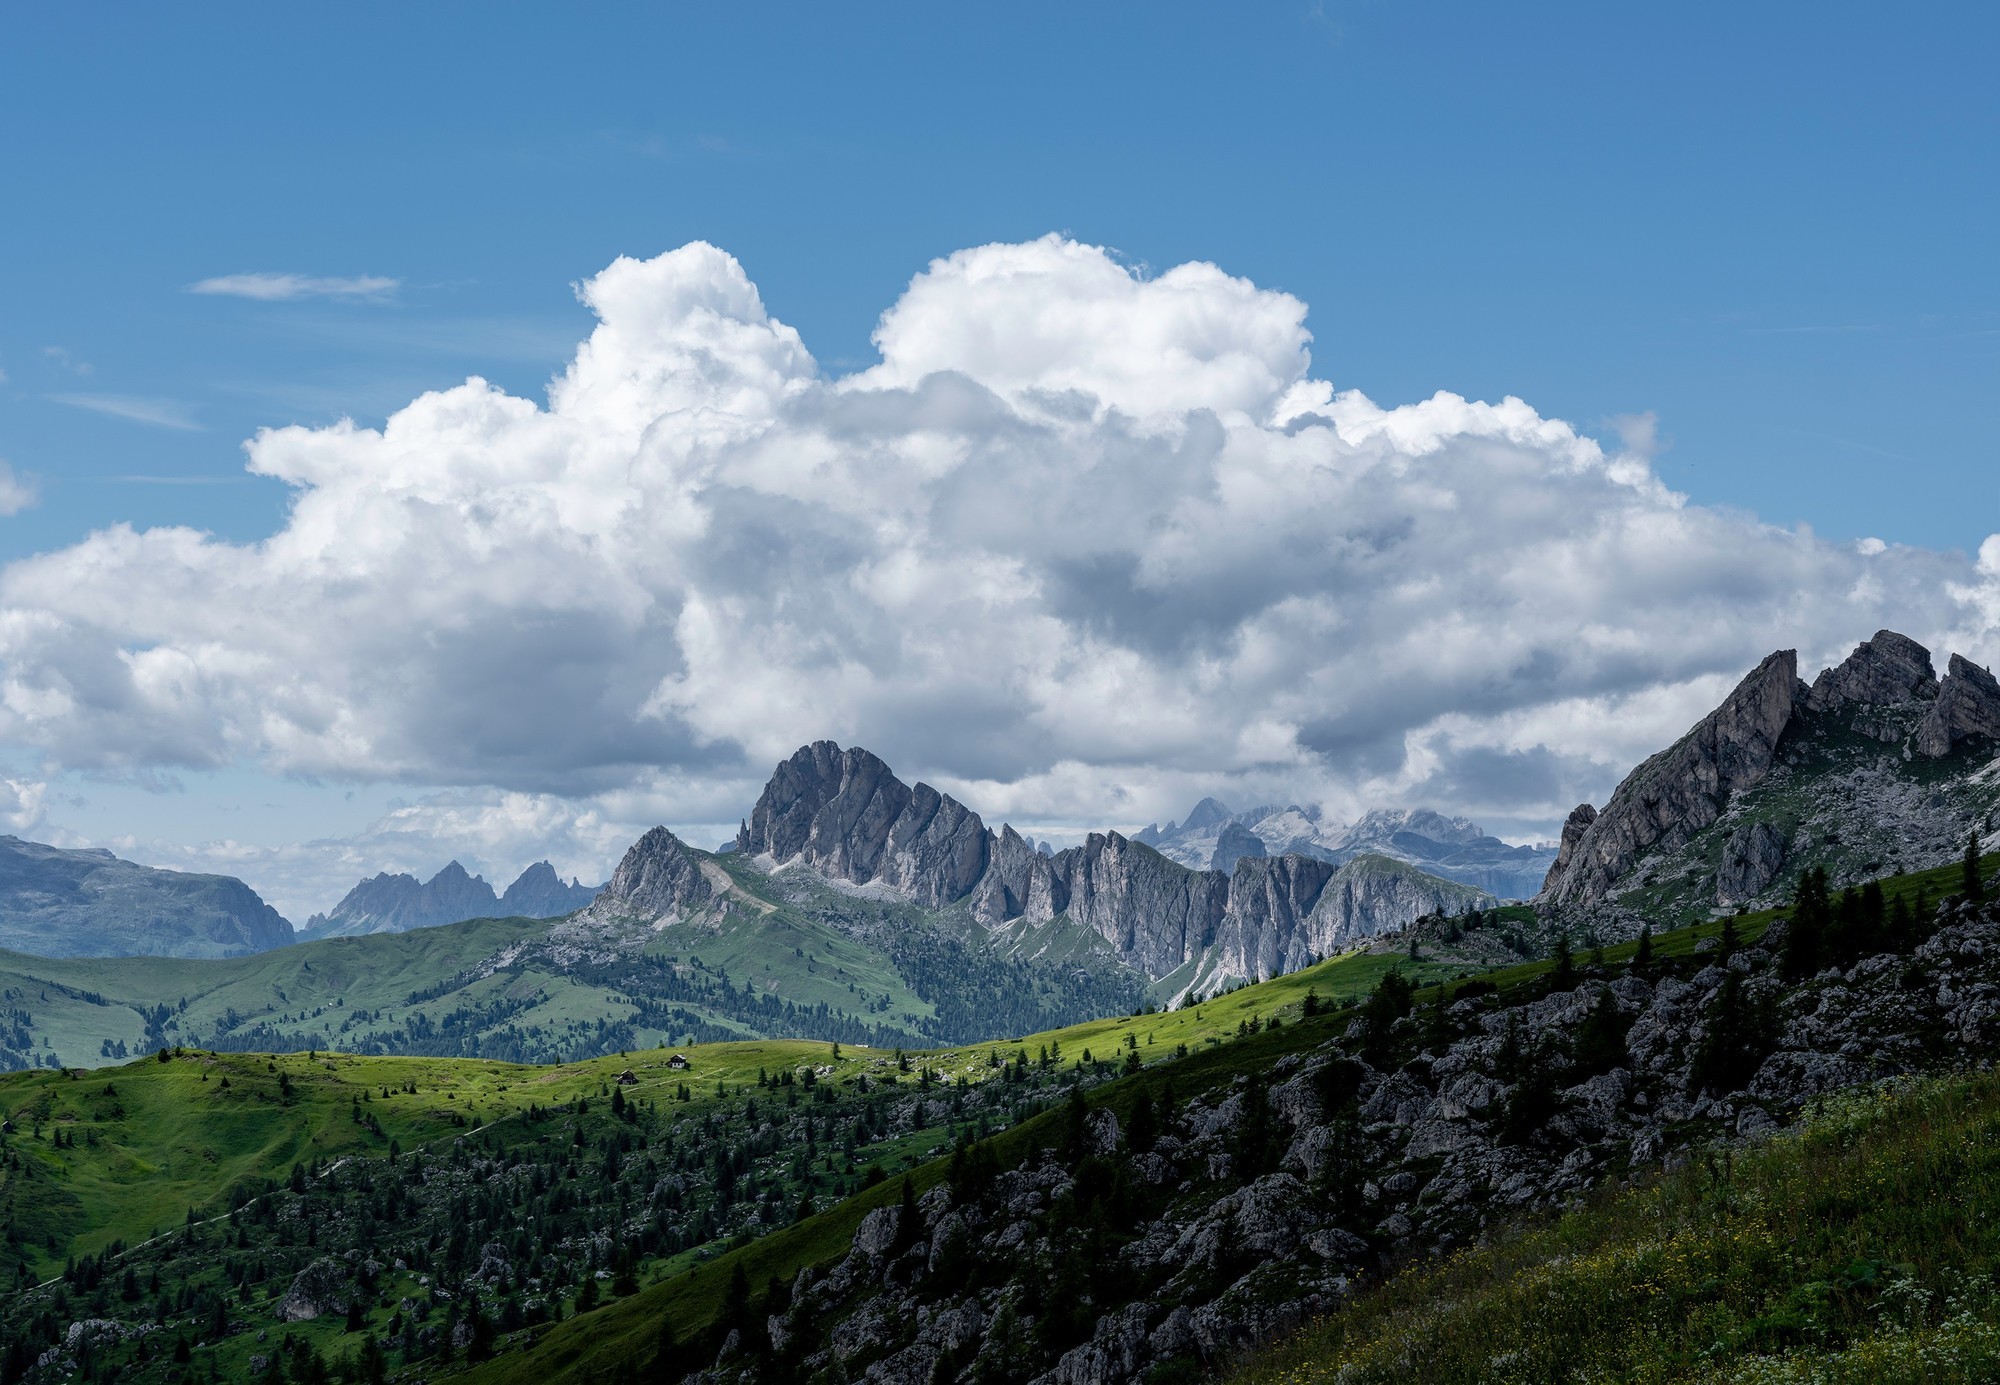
(1782,778)
(1752,858)
(1885,670)
(844,813)
(659,879)
(1967,706)
(1685,787)
(322,1287)
(1265,928)
(1372,895)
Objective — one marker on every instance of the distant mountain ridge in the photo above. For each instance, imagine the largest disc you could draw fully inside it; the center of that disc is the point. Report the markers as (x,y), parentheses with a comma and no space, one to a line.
(90,903)
(1212,837)
(843,813)
(389,903)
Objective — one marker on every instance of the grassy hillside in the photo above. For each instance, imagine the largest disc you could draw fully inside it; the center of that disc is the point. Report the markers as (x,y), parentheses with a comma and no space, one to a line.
(1856,1248)
(790,955)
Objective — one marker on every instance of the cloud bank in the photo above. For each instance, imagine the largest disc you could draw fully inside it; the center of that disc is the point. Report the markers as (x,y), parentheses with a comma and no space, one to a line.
(1083,544)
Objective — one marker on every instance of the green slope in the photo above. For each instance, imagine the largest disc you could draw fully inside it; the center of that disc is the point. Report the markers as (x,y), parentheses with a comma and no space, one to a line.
(789,955)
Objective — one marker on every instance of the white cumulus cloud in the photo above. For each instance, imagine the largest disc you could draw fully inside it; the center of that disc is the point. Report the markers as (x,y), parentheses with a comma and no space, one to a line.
(1084,543)
(277,288)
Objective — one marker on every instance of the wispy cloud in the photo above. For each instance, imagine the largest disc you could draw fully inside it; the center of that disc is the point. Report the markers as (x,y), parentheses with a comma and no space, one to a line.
(159,413)
(140,480)
(278,288)
(17,492)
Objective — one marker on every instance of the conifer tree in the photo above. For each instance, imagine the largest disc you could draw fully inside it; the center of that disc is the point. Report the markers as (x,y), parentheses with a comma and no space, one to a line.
(1974,887)
(1642,958)
(1805,931)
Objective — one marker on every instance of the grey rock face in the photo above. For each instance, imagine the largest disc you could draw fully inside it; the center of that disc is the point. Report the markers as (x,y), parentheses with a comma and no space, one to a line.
(658,878)
(1968,705)
(1751,859)
(1885,670)
(846,815)
(1270,904)
(1152,912)
(1683,788)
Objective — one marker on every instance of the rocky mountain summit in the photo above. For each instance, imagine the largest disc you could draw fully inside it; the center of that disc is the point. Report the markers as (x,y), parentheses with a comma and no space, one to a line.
(659,878)
(1877,764)
(90,903)
(1454,848)
(844,814)
(389,903)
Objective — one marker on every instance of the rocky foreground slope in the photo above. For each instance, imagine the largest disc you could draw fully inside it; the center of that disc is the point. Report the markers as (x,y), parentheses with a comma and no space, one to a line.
(1171,1236)
(1876,765)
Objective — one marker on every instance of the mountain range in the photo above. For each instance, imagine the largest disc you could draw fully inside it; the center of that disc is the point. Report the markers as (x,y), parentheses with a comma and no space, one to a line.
(388,903)
(1213,837)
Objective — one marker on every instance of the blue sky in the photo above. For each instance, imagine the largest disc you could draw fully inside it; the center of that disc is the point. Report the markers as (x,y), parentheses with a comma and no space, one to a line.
(1769,227)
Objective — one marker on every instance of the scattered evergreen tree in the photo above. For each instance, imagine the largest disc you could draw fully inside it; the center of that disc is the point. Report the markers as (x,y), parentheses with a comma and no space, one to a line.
(1974,885)
(1806,927)
(1735,1038)
(1599,1044)
(1642,957)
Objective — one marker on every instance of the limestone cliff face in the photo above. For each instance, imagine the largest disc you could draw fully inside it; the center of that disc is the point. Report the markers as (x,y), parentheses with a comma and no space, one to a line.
(659,878)
(846,815)
(1685,787)
(1968,705)
(1266,926)
(1154,913)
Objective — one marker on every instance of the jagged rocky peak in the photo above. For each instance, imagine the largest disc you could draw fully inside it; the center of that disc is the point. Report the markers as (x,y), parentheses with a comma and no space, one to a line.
(1967,706)
(1235,843)
(845,814)
(1207,813)
(539,893)
(659,878)
(1883,671)
(1683,788)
